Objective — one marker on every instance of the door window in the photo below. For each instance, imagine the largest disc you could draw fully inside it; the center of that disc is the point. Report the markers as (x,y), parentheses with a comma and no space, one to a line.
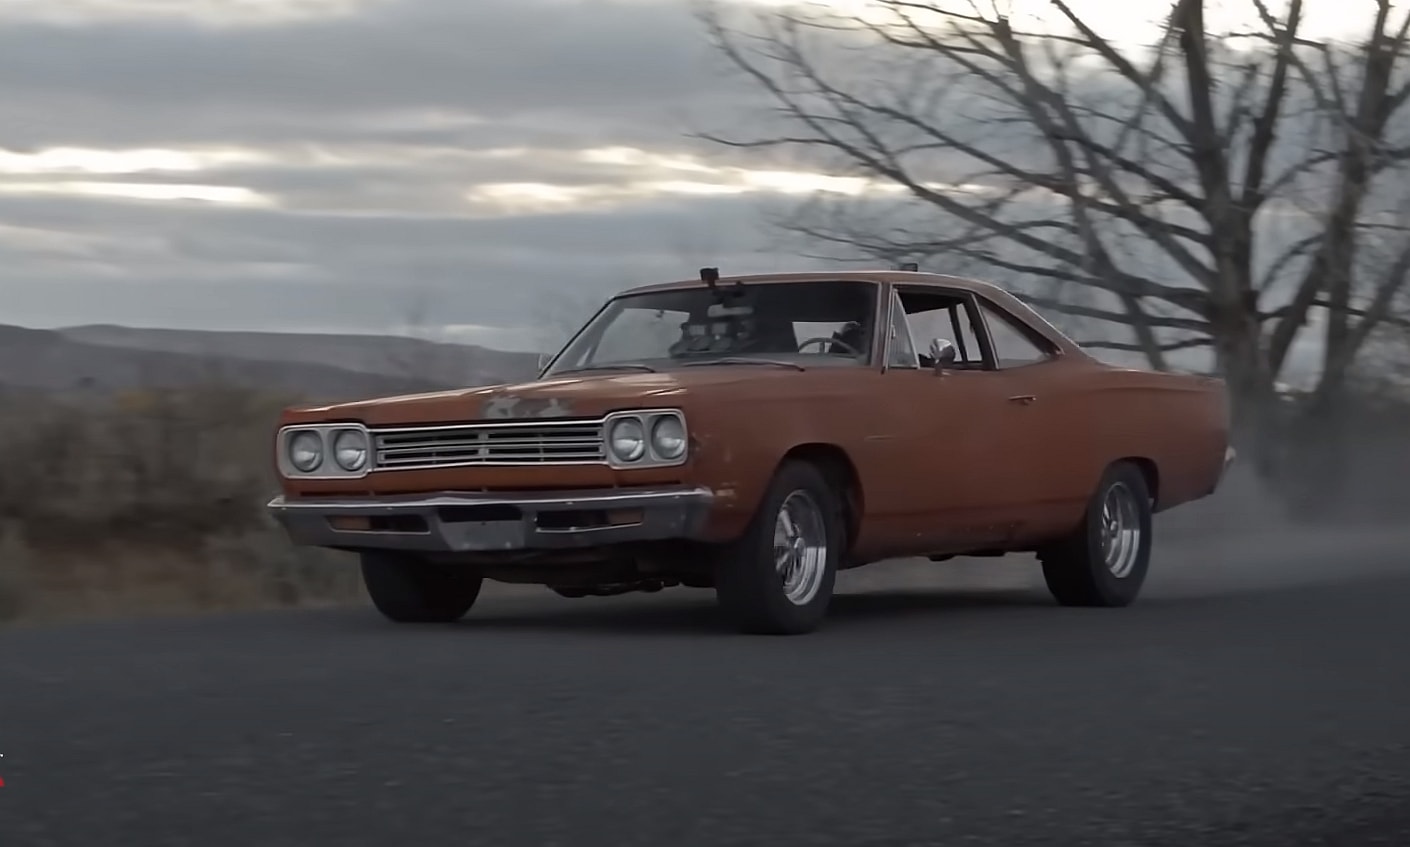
(1014,347)
(932,314)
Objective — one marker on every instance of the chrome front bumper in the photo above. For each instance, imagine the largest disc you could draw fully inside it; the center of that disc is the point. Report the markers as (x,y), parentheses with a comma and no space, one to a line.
(463,522)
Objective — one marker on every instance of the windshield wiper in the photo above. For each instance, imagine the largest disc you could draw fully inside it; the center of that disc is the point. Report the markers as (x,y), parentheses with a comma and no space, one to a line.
(629,366)
(741,360)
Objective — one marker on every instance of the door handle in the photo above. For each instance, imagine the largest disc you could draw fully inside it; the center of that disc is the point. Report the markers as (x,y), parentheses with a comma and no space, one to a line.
(1022,399)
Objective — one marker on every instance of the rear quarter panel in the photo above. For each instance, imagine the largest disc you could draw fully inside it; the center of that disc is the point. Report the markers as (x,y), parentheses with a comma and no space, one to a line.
(1100,414)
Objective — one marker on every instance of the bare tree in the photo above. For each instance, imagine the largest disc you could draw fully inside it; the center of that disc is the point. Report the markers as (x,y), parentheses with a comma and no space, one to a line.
(1231,191)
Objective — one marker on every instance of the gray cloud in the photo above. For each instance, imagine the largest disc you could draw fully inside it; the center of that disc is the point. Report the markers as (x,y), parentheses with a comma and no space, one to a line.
(371,127)
(566,70)
(152,264)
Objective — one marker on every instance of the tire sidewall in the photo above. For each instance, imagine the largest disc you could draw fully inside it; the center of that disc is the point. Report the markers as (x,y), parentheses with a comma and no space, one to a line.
(408,589)
(1120,590)
(751,580)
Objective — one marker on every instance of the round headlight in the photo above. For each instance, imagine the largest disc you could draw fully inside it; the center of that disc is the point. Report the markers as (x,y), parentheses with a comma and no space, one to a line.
(306,450)
(627,441)
(350,449)
(668,437)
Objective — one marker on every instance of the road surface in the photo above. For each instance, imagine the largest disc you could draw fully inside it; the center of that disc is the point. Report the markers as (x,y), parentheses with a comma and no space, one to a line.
(1244,701)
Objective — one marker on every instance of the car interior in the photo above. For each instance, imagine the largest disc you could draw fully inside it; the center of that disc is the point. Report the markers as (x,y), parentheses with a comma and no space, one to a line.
(931,314)
(984,336)
(780,319)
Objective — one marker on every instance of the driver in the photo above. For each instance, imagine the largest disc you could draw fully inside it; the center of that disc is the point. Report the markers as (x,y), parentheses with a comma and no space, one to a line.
(854,340)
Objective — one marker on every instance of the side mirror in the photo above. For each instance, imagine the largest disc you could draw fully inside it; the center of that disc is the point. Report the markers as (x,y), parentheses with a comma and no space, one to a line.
(942,353)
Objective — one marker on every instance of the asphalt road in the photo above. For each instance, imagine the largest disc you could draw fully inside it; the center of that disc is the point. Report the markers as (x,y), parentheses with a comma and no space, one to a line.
(1245,700)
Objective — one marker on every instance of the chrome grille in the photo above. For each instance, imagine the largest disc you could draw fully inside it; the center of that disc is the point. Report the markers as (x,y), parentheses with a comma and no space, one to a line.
(519,443)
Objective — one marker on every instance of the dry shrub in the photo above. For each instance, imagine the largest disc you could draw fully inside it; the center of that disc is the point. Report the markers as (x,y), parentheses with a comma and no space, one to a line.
(149,501)
(16,570)
(149,465)
(278,572)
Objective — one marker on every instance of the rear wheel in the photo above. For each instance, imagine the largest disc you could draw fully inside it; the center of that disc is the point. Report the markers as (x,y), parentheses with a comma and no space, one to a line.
(1104,562)
(777,579)
(409,589)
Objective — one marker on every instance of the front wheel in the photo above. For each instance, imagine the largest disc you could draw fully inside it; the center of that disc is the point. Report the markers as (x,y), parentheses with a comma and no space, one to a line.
(777,579)
(409,589)
(1104,562)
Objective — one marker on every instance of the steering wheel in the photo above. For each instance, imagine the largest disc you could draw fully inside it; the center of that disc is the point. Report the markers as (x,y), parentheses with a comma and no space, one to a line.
(839,342)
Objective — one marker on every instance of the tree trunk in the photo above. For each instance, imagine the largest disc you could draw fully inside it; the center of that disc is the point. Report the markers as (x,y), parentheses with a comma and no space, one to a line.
(1256,407)
(1321,446)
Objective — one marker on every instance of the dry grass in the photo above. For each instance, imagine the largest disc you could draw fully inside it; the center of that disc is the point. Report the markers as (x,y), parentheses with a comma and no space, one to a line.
(148,503)
(153,502)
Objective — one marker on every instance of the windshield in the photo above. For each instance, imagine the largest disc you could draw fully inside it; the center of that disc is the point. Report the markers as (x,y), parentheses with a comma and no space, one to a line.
(801,323)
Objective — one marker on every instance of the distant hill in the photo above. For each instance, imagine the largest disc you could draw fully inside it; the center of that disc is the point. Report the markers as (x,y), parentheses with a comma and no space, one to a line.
(394,356)
(107,358)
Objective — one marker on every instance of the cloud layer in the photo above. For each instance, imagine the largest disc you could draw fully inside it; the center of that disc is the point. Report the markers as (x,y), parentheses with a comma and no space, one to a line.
(486,171)
(358,165)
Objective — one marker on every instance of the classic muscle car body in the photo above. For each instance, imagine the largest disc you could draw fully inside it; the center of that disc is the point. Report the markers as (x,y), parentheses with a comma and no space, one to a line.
(755,435)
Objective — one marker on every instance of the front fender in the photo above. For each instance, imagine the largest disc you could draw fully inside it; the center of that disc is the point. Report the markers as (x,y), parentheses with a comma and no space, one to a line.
(737,451)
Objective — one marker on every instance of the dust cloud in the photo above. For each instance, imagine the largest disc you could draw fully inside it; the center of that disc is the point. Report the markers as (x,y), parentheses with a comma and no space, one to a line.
(1237,540)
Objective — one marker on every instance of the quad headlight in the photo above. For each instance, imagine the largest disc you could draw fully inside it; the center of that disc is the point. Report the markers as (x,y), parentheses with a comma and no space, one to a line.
(350,449)
(626,439)
(668,437)
(324,451)
(646,439)
(306,450)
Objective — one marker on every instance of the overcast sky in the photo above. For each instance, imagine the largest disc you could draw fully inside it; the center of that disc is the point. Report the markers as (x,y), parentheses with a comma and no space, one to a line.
(354,164)
(492,166)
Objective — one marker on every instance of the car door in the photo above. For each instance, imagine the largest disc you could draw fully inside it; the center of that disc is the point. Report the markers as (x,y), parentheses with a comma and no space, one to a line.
(1023,366)
(954,436)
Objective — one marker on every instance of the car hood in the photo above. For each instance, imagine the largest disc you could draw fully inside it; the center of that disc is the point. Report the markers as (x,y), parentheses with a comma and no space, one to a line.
(578,395)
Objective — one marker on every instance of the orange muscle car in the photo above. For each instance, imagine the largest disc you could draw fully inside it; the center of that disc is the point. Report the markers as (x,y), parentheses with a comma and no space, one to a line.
(755,435)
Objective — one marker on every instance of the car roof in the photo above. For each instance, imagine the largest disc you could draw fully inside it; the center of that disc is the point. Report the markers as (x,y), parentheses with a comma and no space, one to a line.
(874,276)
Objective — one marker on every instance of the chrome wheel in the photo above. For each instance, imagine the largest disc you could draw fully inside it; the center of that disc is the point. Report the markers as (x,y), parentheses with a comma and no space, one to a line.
(800,547)
(1120,530)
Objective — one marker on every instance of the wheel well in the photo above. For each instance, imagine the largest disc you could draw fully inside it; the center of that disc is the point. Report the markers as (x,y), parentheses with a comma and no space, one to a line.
(1148,470)
(835,462)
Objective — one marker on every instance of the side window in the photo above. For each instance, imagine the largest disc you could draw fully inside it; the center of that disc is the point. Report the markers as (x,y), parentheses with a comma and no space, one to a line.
(1012,346)
(902,352)
(934,317)
(927,321)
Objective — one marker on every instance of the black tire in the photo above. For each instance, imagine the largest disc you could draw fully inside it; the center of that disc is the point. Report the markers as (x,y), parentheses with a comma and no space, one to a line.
(1076,568)
(750,589)
(408,589)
